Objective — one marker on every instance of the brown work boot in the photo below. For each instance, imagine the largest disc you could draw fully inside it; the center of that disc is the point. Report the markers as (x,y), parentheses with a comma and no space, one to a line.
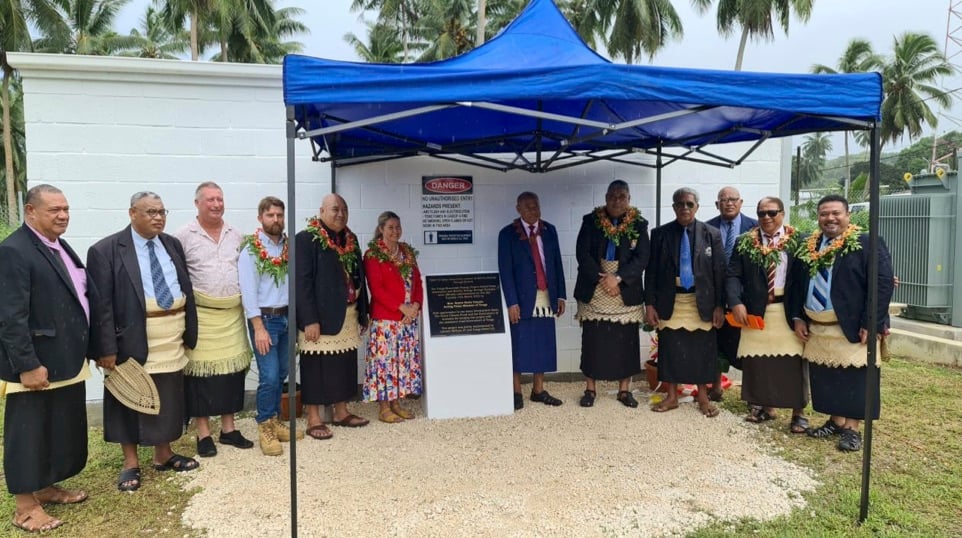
(283,431)
(270,446)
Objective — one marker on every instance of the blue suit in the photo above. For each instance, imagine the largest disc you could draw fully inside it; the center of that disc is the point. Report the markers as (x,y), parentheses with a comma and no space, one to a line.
(533,343)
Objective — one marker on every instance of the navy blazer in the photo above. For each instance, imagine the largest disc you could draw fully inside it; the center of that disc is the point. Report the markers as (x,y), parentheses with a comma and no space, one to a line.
(519,282)
(849,291)
(113,266)
(320,287)
(42,322)
(708,264)
(747,223)
(747,283)
(632,260)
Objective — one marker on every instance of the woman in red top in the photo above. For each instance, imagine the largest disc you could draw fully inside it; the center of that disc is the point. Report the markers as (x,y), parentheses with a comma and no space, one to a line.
(394,345)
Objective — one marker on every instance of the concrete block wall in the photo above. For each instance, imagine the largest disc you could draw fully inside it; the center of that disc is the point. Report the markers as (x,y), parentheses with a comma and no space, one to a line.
(104,128)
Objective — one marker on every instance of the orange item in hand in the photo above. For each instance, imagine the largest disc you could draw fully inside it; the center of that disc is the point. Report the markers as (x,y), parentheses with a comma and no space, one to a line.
(754,322)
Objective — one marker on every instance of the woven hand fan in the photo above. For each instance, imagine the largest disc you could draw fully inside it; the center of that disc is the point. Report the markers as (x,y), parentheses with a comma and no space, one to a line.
(133,387)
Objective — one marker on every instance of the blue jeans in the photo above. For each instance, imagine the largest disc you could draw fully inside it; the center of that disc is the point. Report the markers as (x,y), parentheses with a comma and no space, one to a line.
(271,368)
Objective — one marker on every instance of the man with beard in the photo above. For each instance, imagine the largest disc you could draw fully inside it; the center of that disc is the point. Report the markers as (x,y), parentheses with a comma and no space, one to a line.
(262,268)
(685,300)
(332,310)
(832,320)
(45,320)
(612,252)
(149,317)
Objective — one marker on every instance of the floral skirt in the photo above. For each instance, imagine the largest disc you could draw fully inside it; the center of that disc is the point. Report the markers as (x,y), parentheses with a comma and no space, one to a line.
(393,365)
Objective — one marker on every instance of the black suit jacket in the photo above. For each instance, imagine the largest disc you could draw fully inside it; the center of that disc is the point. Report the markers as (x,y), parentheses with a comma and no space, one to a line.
(747,223)
(320,287)
(849,291)
(747,283)
(42,322)
(708,264)
(112,263)
(632,260)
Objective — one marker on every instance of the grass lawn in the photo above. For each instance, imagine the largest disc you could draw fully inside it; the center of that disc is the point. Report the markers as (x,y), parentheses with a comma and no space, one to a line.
(916,474)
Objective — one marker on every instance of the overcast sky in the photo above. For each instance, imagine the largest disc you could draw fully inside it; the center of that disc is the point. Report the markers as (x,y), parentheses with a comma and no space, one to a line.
(822,40)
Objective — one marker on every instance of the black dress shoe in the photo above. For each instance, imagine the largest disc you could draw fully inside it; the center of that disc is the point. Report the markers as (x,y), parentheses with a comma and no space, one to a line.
(235,438)
(588,400)
(545,398)
(850,441)
(826,430)
(626,399)
(206,448)
(518,401)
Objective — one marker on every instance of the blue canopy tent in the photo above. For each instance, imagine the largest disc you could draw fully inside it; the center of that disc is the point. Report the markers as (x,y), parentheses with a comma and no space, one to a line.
(536,98)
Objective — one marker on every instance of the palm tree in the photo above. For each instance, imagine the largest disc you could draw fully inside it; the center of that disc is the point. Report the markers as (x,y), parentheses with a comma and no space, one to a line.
(755,18)
(90,24)
(627,27)
(266,44)
(446,26)
(814,150)
(399,14)
(16,17)
(155,40)
(19,153)
(857,58)
(915,65)
(382,44)
(176,12)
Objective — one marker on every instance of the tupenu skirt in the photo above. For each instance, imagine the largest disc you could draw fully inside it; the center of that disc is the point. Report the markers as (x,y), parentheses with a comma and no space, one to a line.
(214,395)
(328,378)
(687,345)
(126,426)
(841,391)
(610,350)
(774,374)
(44,437)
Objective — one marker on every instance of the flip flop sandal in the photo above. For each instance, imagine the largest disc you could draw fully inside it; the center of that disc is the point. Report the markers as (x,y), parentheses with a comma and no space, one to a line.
(178,464)
(320,432)
(129,475)
(799,424)
(663,407)
(62,496)
(31,521)
(350,421)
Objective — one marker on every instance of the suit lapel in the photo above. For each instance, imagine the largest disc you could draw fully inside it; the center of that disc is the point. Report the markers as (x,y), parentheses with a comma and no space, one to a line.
(128,257)
(57,264)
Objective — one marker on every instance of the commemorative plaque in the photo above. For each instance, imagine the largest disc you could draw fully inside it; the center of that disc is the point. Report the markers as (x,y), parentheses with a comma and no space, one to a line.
(467,304)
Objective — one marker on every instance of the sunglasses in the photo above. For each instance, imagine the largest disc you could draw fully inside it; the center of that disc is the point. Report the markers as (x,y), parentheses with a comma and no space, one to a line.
(771,213)
(679,205)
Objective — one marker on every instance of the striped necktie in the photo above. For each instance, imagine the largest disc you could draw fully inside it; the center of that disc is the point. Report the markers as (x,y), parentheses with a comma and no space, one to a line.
(161,292)
(729,240)
(770,273)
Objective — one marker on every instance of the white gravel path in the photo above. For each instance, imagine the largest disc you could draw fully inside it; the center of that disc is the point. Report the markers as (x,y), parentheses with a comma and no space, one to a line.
(566,471)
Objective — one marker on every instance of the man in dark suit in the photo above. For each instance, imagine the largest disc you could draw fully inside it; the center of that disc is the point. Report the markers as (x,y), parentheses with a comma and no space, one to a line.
(731,223)
(44,330)
(332,309)
(833,321)
(150,317)
(533,283)
(684,298)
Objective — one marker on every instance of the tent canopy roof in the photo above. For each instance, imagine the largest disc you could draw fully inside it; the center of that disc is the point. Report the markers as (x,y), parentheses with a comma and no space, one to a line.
(539,95)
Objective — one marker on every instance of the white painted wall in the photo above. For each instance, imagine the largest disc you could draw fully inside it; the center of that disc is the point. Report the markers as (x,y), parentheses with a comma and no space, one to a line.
(103,128)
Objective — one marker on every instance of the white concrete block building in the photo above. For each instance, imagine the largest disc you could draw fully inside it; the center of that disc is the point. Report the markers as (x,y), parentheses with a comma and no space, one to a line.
(102,128)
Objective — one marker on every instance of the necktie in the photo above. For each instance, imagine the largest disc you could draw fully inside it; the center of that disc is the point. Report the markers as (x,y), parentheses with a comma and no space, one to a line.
(610,251)
(59,261)
(729,240)
(820,290)
(536,257)
(161,291)
(771,272)
(685,273)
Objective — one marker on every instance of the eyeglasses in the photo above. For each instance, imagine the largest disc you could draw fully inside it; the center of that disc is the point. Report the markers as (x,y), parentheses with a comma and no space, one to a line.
(771,213)
(728,200)
(154,213)
(688,204)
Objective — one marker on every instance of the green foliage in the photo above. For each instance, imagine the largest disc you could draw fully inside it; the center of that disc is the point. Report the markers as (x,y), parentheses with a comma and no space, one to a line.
(5,229)
(891,177)
(909,79)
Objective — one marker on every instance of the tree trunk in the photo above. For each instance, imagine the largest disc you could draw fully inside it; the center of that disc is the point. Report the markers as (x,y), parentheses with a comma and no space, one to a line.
(482,22)
(12,207)
(194,49)
(223,49)
(741,50)
(848,170)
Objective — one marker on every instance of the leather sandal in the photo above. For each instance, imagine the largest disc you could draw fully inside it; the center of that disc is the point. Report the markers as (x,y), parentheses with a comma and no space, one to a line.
(588,400)
(400,411)
(545,398)
(35,520)
(626,399)
(389,416)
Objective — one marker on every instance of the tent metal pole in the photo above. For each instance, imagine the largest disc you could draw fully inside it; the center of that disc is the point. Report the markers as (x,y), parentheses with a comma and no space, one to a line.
(871,372)
(658,185)
(333,176)
(292,313)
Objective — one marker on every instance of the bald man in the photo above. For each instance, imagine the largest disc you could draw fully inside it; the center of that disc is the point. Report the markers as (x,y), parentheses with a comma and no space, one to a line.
(332,310)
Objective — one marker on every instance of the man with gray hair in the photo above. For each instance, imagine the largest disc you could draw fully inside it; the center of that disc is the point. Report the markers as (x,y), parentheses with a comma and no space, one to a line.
(149,317)
(45,320)
(684,299)
(217,367)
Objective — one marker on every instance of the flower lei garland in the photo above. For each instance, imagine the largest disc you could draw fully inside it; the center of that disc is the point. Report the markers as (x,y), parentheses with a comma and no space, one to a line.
(625,228)
(275,266)
(750,244)
(377,249)
(818,259)
(347,254)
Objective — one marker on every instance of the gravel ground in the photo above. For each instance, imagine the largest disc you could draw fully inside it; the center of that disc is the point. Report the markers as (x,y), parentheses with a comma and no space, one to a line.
(543,471)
